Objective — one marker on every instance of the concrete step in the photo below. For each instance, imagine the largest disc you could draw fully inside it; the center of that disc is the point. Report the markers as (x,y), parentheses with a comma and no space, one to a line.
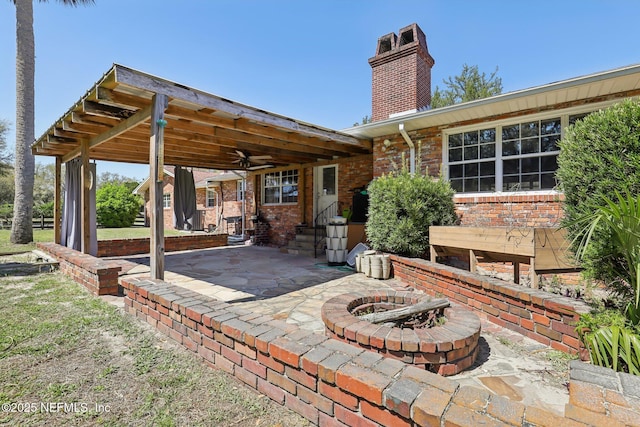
(303,252)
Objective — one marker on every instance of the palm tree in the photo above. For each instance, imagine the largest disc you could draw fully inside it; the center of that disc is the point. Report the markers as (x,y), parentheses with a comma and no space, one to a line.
(21,229)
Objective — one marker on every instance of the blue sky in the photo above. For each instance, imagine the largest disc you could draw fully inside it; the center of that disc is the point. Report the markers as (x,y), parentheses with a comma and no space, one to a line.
(306,59)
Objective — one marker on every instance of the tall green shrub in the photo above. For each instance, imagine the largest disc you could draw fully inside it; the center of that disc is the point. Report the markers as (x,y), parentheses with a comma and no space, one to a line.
(401,209)
(599,156)
(116,206)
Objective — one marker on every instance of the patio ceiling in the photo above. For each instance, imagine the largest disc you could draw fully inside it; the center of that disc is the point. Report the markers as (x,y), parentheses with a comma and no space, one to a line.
(202,130)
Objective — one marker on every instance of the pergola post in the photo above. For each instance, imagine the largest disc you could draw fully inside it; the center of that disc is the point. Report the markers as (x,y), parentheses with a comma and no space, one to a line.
(57,201)
(85,198)
(156,165)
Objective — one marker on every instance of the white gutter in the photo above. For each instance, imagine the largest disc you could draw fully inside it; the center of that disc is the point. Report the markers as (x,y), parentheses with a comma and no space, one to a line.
(412,149)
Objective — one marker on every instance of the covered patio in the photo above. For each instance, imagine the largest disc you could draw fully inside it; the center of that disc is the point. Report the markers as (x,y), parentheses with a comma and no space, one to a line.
(134,117)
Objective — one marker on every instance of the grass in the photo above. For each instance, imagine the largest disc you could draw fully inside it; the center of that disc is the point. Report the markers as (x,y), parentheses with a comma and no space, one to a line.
(103,234)
(59,344)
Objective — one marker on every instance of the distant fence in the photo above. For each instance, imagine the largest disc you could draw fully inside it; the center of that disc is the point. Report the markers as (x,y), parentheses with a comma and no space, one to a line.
(38,223)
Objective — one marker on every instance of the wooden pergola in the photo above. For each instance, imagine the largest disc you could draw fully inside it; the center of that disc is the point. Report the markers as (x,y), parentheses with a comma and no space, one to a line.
(133,117)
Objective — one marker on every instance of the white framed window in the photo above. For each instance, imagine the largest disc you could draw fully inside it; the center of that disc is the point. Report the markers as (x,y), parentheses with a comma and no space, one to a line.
(507,156)
(240,190)
(166,200)
(212,198)
(280,187)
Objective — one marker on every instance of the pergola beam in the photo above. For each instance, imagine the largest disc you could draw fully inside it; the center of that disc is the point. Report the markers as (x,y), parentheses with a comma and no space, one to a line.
(113,132)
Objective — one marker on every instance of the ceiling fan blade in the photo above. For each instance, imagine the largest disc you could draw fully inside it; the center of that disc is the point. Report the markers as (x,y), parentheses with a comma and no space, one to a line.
(241,154)
(253,168)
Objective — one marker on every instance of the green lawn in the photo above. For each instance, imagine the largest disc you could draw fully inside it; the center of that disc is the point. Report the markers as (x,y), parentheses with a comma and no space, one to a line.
(103,234)
(59,345)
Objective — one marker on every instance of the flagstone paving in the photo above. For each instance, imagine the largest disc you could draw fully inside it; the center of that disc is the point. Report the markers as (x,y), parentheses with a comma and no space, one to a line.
(293,288)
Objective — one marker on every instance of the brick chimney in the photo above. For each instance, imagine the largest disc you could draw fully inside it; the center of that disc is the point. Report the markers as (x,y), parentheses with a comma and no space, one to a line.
(401,73)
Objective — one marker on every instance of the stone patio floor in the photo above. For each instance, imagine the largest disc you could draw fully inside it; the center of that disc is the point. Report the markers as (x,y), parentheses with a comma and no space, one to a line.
(293,288)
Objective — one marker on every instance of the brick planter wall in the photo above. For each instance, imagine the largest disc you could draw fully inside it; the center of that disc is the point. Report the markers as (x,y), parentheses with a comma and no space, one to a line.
(601,396)
(329,382)
(98,276)
(123,247)
(447,349)
(547,318)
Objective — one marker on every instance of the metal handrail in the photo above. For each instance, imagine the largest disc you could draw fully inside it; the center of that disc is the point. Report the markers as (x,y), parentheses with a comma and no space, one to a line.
(321,220)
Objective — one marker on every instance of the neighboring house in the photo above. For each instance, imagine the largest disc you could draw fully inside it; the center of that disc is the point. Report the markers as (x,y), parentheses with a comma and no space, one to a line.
(499,153)
(219,198)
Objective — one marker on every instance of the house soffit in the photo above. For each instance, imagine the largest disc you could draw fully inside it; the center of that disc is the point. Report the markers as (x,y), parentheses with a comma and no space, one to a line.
(619,83)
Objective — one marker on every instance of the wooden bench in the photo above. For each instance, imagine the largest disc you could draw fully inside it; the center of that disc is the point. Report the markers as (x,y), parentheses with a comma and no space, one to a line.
(545,249)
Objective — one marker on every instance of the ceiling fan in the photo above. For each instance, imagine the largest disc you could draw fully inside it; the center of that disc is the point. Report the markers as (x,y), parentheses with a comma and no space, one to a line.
(248,162)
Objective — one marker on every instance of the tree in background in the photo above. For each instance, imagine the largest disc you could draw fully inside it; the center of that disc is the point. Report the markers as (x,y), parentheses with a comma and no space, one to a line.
(467,86)
(116,206)
(21,228)
(114,178)
(5,157)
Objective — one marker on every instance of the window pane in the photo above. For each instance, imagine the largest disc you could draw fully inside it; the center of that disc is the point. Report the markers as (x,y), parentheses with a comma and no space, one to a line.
(511,166)
(487,168)
(470,170)
(455,140)
(550,143)
(471,153)
(455,155)
(471,138)
(272,195)
(548,181)
(272,180)
(550,126)
(289,193)
(455,171)
(487,151)
(510,183)
(549,163)
(530,182)
(576,117)
(530,146)
(470,185)
(456,184)
(530,164)
(487,184)
(511,148)
(529,129)
(511,132)
(328,181)
(487,135)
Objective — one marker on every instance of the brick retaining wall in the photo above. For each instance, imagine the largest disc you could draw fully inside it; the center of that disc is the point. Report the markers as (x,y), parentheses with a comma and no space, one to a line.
(100,277)
(329,382)
(547,318)
(123,247)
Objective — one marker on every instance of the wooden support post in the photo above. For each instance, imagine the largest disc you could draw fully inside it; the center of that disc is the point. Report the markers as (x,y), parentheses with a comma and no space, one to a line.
(434,254)
(85,198)
(516,272)
(532,273)
(473,261)
(57,202)
(156,160)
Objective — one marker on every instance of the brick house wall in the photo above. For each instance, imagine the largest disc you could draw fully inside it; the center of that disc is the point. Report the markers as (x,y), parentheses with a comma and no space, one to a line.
(353,173)
(227,193)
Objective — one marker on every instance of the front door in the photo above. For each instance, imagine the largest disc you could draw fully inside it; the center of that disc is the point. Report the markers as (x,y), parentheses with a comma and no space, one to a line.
(326,193)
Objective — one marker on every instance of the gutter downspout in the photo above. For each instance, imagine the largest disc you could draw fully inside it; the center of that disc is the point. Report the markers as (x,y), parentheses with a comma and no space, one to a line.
(412,149)
(244,198)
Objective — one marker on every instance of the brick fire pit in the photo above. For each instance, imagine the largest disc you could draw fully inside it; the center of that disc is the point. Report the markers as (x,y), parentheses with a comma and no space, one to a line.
(446,349)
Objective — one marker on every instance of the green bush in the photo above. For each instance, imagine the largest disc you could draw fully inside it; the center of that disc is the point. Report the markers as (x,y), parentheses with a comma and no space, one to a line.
(116,206)
(599,156)
(401,209)
(43,209)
